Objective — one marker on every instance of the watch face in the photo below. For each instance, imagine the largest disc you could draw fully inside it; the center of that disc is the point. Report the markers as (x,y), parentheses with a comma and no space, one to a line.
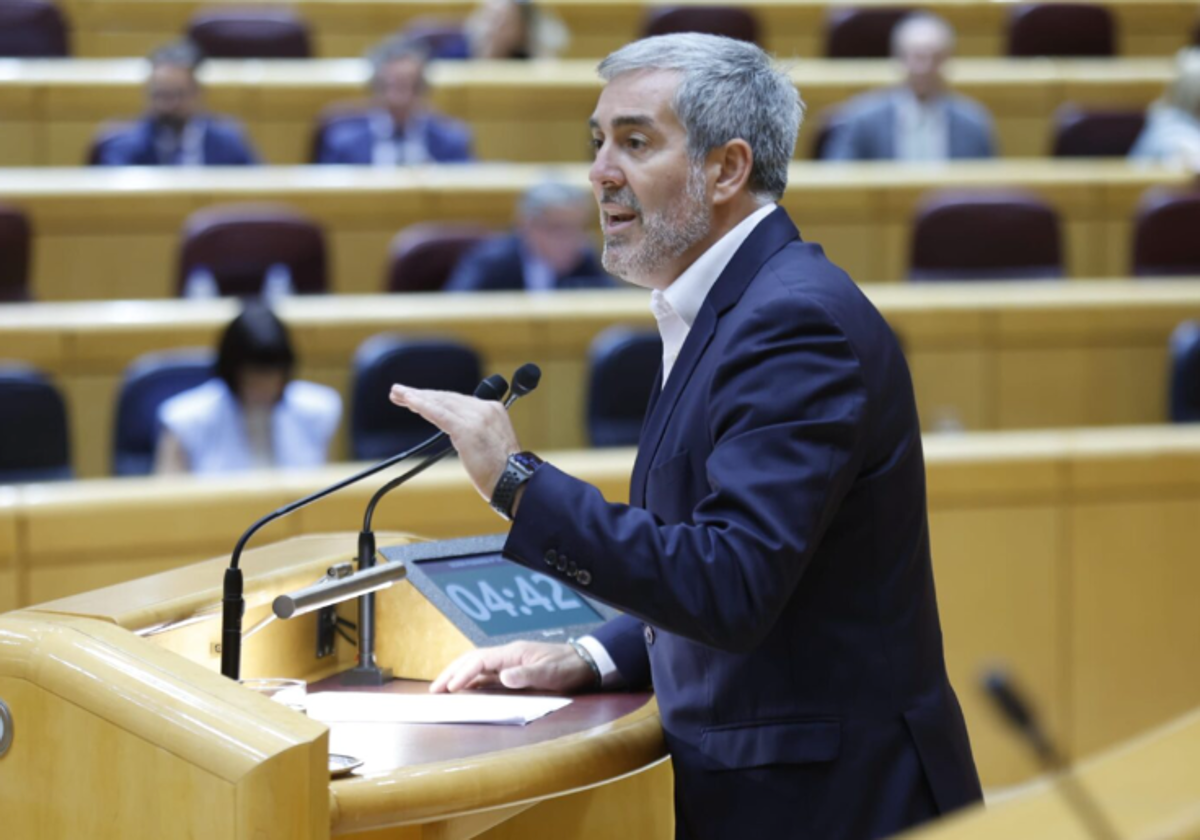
(527,461)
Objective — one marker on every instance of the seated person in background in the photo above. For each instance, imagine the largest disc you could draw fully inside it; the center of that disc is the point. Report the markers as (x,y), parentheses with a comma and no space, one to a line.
(252,414)
(500,29)
(551,248)
(399,129)
(920,120)
(1172,132)
(176,131)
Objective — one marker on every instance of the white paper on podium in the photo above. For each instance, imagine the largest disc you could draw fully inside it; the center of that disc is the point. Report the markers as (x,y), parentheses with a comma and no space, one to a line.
(369,707)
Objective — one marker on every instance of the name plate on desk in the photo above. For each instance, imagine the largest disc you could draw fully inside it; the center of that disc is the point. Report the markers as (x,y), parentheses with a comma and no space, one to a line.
(492,600)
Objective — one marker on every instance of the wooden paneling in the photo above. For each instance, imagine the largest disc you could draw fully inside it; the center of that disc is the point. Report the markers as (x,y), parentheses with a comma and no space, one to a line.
(788,27)
(993,564)
(102,234)
(1135,629)
(983,356)
(530,112)
(1064,557)
(1143,788)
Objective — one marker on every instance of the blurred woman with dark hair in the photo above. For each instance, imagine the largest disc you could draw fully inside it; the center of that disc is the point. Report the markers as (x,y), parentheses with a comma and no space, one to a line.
(252,413)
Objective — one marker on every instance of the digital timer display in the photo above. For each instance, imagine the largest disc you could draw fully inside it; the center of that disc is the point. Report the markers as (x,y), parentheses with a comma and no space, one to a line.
(503,598)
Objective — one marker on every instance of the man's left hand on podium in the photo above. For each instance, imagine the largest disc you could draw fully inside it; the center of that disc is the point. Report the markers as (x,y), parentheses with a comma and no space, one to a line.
(536,665)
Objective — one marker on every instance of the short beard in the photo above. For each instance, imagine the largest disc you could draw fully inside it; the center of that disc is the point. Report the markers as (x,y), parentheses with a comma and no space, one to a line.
(666,234)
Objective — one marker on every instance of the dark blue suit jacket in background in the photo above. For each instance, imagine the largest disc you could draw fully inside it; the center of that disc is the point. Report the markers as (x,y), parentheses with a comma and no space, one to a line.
(225,144)
(498,265)
(351,141)
(774,564)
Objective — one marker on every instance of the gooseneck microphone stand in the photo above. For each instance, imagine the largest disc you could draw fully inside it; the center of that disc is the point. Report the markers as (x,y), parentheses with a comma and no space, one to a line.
(1020,715)
(367,672)
(233,602)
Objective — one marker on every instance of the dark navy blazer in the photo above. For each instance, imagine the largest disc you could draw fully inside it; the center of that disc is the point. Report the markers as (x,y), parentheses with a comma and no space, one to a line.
(774,564)
(498,265)
(351,141)
(224,145)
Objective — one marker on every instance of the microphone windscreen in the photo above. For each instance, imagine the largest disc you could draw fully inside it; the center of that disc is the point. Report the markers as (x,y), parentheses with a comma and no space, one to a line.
(1006,697)
(493,387)
(526,379)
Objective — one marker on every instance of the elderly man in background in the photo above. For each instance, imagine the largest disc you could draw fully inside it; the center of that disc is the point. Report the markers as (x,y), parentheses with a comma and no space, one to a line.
(922,120)
(550,250)
(400,129)
(773,562)
(176,131)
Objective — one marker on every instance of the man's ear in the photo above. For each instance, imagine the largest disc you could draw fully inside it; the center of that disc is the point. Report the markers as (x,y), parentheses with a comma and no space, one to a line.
(733,163)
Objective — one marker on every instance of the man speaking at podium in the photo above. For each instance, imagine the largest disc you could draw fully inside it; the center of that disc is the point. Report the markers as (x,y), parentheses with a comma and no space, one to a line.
(774,561)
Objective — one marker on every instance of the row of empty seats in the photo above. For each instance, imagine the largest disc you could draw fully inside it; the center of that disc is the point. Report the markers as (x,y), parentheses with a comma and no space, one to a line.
(996,234)
(622,362)
(37,28)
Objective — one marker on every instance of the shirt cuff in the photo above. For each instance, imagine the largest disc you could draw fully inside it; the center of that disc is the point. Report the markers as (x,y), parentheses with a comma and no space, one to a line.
(610,677)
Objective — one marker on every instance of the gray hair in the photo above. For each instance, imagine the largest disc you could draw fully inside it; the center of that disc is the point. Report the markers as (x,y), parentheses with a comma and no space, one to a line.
(917,21)
(550,195)
(397,48)
(183,54)
(1184,90)
(728,90)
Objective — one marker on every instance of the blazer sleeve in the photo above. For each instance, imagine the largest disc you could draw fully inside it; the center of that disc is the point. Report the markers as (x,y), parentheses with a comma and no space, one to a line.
(781,463)
(624,639)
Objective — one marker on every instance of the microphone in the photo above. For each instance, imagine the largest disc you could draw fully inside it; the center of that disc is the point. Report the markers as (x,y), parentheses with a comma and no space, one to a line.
(525,380)
(366,672)
(233,604)
(1020,715)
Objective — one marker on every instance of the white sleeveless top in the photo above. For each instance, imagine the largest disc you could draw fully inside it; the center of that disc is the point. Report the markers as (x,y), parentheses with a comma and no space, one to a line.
(211,426)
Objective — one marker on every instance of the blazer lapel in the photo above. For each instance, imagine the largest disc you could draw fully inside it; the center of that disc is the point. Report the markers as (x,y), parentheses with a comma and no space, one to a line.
(772,233)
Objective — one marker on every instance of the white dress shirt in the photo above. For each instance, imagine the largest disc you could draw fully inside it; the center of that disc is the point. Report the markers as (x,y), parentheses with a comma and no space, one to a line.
(183,149)
(922,128)
(676,309)
(388,150)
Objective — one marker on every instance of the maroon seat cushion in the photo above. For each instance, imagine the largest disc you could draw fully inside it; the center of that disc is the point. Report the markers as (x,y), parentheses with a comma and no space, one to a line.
(32,29)
(239,244)
(250,33)
(985,235)
(730,21)
(1095,133)
(1066,30)
(1166,233)
(422,257)
(15,238)
(861,33)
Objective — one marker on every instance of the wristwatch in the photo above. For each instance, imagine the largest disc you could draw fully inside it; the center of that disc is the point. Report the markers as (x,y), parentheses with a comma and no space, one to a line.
(519,469)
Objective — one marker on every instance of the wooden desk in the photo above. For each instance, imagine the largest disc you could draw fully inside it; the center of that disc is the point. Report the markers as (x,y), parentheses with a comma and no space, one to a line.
(1145,788)
(529,112)
(983,356)
(105,234)
(789,27)
(120,710)
(1067,556)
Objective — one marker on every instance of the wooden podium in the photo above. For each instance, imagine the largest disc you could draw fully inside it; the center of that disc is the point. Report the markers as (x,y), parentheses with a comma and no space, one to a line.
(121,726)
(1145,789)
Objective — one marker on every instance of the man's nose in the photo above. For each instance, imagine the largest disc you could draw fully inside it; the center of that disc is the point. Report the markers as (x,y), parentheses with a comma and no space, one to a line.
(604,174)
